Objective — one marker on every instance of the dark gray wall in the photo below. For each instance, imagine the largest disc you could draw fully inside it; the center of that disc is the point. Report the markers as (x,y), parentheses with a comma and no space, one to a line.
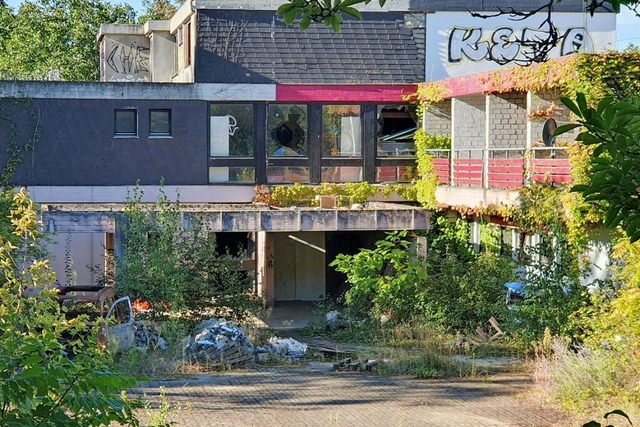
(76,144)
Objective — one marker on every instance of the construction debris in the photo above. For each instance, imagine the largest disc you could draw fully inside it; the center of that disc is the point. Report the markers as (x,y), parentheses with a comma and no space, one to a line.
(219,342)
(484,336)
(146,336)
(368,365)
(287,348)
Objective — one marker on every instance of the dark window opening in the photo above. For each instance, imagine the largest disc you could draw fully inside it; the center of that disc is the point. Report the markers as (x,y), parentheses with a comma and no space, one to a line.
(160,122)
(126,122)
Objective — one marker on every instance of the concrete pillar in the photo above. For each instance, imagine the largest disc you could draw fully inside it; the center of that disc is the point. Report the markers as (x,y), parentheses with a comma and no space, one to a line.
(265,267)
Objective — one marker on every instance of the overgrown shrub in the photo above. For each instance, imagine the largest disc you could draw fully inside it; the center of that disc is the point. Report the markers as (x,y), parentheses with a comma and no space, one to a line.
(40,384)
(170,261)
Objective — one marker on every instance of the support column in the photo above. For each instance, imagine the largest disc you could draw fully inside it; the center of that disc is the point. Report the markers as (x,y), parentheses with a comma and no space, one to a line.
(265,271)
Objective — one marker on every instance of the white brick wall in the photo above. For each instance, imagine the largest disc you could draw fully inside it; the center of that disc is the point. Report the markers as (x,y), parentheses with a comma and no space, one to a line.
(469,123)
(437,118)
(507,120)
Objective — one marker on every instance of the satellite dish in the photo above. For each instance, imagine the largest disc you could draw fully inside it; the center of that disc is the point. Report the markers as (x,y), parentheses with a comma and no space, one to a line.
(548,128)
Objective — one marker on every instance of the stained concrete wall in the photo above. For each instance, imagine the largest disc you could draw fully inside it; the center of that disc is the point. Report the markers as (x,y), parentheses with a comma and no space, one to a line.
(124,58)
(507,120)
(86,249)
(299,266)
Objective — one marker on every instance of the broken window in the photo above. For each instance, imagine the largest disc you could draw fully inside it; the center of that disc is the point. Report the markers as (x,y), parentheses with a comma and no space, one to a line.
(126,122)
(287,130)
(397,125)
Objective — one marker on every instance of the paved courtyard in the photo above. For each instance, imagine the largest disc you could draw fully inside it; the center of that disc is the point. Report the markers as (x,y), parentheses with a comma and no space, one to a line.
(313,396)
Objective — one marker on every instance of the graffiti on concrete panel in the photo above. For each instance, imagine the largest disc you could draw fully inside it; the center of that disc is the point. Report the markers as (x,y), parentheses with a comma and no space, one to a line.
(127,62)
(504,44)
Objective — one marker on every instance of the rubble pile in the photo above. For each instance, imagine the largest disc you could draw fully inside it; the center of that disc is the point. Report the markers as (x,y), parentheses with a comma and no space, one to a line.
(146,336)
(220,342)
(286,348)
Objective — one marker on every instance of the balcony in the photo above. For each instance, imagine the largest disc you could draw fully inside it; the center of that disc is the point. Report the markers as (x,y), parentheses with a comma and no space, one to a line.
(504,168)
(487,176)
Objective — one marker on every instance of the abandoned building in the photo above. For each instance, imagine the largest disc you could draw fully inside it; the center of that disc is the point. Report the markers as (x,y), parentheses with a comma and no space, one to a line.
(224,97)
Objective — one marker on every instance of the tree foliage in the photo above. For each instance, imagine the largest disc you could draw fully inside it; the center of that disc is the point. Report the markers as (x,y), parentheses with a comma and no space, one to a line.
(170,260)
(613,128)
(46,35)
(40,384)
(330,12)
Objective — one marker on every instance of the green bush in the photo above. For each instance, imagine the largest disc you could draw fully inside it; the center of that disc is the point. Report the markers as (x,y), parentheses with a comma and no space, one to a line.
(40,384)
(170,261)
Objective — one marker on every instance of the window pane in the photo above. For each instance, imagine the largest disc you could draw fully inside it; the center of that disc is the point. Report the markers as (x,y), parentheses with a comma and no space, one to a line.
(287,130)
(287,174)
(341,135)
(126,122)
(231,130)
(395,173)
(237,175)
(342,174)
(397,124)
(160,122)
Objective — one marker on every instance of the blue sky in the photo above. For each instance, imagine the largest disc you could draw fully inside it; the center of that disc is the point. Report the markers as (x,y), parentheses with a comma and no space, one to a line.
(628,23)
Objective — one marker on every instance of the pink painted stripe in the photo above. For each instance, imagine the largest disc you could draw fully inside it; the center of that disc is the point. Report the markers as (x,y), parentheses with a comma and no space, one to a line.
(343,93)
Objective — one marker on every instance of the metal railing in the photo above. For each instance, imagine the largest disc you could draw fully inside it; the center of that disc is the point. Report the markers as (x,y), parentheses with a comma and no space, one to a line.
(506,168)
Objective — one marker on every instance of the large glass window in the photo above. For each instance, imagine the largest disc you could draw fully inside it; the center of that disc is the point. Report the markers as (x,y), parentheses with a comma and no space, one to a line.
(287,130)
(231,130)
(341,131)
(235,175)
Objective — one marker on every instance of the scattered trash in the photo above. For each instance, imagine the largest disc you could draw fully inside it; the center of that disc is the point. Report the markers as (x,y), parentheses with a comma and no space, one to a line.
(220,342)
(368,365)
(287,348)
(146,336)
(335,320)
(484,336)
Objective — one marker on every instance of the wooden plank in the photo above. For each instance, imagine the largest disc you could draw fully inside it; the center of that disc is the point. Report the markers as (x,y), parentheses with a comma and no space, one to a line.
(506,162)
(554,171)
(507,169)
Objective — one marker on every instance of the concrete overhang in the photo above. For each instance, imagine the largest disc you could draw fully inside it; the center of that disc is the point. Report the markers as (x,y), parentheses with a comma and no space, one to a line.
(475,197)
(153,26)
(248,218)
(126,29)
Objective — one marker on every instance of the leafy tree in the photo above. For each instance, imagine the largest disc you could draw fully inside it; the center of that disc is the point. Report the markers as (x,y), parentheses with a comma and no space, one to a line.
(613,128)
(158,10)
(45,35)
(40,385)
(175,266)
(330,12)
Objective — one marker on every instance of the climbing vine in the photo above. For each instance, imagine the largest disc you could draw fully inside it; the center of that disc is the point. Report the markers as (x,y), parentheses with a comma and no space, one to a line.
(17,116)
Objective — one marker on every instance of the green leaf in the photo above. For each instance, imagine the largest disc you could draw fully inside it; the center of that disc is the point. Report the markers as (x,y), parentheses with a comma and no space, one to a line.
(351,11)
(571,106)
(336,20)
(581,99)
(290,16)
(286,7)
(305,22)
(566,128)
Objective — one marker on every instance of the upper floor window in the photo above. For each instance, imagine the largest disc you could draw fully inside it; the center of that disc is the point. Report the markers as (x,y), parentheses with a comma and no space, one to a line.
(231,130)
(126,122)
(160,122)
(397,125)
(287,130)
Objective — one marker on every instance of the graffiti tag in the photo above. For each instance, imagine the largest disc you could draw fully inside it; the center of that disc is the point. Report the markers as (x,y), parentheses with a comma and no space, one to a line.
(504,44)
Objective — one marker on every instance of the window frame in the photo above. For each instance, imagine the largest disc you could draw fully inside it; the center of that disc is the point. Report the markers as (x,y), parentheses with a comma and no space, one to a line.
(120,134)
(169,133)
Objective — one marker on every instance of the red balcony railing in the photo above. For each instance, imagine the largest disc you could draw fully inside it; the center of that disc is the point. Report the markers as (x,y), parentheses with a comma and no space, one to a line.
(501,168)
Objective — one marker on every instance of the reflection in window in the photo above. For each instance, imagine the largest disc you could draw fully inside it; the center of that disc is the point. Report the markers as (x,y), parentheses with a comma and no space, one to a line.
(126,122)
(235,175)
(231,131)
(396,173)
(287,174)
(341,174)
(341,135)
(397,125)
(286,130)
(160,122)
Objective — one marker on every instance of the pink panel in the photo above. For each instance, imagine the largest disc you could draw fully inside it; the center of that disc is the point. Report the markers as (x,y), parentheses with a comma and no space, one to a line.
(343,93)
